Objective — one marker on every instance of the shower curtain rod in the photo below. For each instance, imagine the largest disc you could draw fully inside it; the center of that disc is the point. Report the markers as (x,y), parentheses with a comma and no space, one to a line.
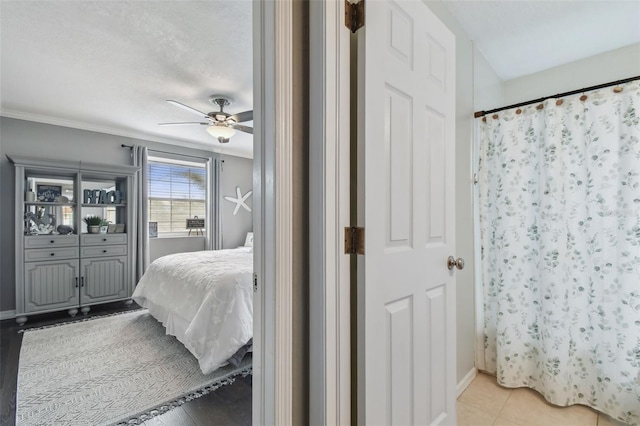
(478,114)
(167,152)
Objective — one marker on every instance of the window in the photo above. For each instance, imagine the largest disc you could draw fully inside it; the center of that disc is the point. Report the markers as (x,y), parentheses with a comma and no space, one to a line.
(177,192)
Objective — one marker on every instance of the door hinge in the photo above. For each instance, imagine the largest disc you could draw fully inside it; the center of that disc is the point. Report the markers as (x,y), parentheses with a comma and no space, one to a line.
(255,282)
(353,240)
(353,14)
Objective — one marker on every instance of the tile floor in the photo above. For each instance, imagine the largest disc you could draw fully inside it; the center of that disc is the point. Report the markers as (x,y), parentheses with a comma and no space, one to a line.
(485,403)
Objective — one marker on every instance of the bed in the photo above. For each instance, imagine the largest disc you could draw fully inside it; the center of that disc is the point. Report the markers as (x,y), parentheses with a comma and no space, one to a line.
(204,299)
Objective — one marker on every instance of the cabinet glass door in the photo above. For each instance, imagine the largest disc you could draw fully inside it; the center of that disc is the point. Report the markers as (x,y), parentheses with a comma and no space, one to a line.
(106,199)
(49,206)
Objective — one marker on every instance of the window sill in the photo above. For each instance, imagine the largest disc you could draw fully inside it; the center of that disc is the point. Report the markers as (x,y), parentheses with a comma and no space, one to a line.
(163,237)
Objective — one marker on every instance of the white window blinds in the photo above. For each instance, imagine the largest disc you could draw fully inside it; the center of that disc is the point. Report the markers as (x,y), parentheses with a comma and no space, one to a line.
(177,191)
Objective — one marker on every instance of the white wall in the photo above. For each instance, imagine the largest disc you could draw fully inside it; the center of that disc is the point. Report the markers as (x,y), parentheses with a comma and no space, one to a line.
(21,137)
(488,88)
(604,68)
(235,172)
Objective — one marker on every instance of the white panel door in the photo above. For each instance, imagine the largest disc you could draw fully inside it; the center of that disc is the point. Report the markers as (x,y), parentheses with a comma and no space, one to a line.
(406,316)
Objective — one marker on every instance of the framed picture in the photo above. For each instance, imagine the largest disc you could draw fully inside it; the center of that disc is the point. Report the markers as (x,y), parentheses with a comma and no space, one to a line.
(48,193)
(195,223)
(153,229)
(248,241)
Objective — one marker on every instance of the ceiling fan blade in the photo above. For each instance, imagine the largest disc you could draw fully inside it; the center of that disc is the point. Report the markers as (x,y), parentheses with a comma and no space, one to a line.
(242,116)
(242,128)
(182,122)
(187,108)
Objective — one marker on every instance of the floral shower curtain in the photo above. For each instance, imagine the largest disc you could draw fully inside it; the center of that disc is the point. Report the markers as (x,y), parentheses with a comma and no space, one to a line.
(559,202)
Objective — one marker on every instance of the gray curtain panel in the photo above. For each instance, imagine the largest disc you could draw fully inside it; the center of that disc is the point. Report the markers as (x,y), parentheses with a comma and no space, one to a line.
(140,159)
(214,234)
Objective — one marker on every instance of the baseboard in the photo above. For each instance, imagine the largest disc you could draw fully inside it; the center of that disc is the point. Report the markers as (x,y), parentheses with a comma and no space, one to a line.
(466,381)
(7,314)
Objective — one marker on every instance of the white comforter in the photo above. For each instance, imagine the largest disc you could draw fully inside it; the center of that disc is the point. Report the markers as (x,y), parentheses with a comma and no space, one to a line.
(203,298)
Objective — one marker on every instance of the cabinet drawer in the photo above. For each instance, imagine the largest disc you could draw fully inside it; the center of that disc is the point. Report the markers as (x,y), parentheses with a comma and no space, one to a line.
(54,253)
(102,239)
(42,241)
(104,251)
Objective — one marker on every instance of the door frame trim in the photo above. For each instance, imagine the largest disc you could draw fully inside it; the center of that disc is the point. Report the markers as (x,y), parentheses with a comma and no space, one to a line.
(272,172)
(329,199)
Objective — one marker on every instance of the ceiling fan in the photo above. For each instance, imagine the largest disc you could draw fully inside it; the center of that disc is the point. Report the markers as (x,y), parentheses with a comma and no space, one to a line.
(222,125)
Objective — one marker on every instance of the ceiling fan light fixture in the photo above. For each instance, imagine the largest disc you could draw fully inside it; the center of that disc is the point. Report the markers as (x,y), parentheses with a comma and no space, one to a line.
(218,131)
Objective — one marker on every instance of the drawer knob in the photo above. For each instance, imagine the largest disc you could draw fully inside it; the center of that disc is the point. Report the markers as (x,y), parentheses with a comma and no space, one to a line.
(53,241)
(104,239)
(104,251)
(53,254)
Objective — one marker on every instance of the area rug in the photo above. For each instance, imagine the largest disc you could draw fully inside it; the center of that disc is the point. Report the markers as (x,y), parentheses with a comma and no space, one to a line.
(120,369)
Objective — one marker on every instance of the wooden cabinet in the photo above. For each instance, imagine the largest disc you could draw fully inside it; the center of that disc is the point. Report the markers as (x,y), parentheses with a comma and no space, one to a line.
(64,267)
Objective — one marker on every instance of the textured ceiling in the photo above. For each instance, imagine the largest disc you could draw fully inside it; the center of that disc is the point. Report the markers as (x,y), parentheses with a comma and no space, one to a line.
(523,37)
(110,65)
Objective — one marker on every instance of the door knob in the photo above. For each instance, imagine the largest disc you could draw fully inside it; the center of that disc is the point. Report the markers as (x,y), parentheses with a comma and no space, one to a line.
(452,262)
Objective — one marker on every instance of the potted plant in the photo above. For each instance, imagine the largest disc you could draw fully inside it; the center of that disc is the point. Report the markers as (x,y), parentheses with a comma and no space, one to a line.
(93,224)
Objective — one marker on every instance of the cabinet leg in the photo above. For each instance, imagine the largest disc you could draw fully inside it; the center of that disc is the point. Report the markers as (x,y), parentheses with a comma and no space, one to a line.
(85,310)
(21,320)
(128,302)
(73,312)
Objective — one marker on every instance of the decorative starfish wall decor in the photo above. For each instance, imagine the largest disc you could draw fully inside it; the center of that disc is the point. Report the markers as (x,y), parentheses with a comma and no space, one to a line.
(240,200)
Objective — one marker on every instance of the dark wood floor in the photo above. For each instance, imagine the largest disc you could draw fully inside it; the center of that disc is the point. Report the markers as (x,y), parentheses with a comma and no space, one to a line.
(228,405)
